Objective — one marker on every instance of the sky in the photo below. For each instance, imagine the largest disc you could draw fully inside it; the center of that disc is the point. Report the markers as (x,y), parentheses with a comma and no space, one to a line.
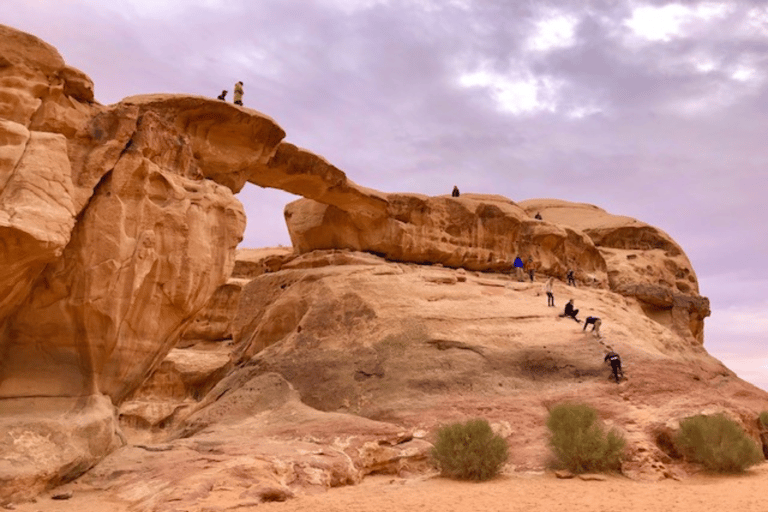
(652,109)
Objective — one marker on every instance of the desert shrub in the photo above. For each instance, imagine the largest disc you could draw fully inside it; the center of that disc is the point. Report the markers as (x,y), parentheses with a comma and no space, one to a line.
(718,443)
(579,441)
(764,419)
(469,451)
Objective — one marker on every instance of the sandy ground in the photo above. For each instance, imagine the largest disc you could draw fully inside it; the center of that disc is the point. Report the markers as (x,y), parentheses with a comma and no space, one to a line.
(529,492)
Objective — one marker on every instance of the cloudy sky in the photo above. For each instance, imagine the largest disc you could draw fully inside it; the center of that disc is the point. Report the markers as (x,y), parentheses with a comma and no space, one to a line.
(646,108)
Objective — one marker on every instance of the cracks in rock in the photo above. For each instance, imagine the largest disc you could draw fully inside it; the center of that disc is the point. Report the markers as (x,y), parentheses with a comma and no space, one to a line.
(441,344)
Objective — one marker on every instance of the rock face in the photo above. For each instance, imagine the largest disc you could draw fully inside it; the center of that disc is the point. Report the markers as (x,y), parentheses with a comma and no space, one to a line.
(643,263)
(302,368)
(473,231)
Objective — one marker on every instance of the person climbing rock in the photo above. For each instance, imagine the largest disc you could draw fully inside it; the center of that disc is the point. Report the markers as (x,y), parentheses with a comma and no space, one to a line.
(570,311)
(222,96)
(455,192)
(596,323)
(615,361)
(239,93)
(548,291)
(519,268)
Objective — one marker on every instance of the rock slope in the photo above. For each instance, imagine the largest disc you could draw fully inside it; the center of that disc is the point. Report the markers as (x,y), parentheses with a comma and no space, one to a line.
(125,318)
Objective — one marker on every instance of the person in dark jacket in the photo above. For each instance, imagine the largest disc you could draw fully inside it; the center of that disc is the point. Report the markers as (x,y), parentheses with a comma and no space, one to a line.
(571,311)
(613,358)
(571,280)
(596,323)
(222,96)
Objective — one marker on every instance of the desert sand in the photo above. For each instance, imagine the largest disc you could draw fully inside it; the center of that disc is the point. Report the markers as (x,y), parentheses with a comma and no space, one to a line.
(510,492)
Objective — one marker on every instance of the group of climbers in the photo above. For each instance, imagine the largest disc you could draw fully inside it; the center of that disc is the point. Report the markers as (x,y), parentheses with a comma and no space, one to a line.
(570,311)
(521,268)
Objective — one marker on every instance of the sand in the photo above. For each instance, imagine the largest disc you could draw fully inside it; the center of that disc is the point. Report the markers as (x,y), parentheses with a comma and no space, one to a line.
(529,492)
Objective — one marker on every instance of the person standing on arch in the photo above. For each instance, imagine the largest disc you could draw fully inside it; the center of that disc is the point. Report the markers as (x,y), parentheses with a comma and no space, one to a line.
(455,192)
(239,93)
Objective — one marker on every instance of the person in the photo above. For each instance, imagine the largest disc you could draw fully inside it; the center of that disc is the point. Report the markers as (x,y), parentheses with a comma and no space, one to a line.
(537,216)
(239,93)
(570,277)
(222,96)
(519,268)
(455,192)
(548,290)
(615,361)
(596,323)
(530,267)
(571,311)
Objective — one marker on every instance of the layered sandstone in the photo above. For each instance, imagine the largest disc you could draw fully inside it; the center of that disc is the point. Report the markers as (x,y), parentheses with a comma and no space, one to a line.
(476,232)
(303,368)
(643,262)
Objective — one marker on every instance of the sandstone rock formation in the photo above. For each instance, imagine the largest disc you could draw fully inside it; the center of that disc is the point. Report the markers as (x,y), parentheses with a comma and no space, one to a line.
(475,232)
(305,368)
(643,263)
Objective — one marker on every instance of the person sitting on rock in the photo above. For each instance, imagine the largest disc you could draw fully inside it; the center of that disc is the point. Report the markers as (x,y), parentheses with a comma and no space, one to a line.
(222,96)
(455,192)
(537,216)
(615,361)
(570,311)
(596,323)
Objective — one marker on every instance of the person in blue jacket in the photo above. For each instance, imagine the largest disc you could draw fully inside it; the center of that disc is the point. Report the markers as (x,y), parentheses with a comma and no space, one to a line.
(519,266)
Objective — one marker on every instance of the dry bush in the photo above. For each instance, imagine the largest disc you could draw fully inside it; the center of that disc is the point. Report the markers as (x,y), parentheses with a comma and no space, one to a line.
(469,451)
(718,443)
(579,441)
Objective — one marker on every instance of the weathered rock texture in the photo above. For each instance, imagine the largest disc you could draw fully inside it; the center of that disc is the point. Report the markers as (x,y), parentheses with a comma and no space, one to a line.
(643,262)
(304,370)
(476,232)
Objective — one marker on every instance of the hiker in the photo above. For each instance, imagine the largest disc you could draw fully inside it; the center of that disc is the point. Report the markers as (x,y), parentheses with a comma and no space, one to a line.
(537,216)
(570,311)
(615,361)
(519,268)
(222,96)
(455,192)
(239,93)
(530,267)
(548,291)
(596,323)
(570,277)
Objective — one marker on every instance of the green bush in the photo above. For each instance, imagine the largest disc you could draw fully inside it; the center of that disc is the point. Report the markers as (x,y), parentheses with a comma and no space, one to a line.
(718,443)
(764,419)
(469,451)
(579,441)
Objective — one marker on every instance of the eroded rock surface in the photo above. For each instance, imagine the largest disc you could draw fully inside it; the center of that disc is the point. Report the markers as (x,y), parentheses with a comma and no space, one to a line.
(476,232)
(643,262)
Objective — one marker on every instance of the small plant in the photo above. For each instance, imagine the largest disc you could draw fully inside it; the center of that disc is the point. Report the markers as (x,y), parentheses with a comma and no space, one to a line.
(718,443)
(764,419)
(469,451)
(579,441)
